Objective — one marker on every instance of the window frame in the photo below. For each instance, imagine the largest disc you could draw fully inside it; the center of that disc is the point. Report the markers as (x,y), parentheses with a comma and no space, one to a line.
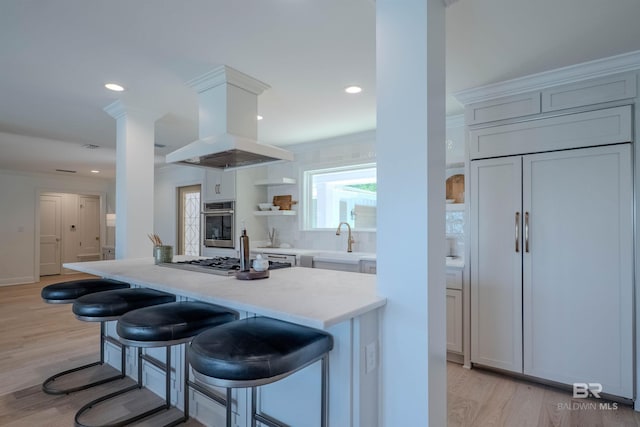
(307,191)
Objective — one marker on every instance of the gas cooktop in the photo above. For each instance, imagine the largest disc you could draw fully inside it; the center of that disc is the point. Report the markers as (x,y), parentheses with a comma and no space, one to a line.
(223,266)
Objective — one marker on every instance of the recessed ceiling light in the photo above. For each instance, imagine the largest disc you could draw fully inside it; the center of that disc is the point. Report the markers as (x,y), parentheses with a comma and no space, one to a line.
(353,89)
(114,87)
(95,171)
(260,117)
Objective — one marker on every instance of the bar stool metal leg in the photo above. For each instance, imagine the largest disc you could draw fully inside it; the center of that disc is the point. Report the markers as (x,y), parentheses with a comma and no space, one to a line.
(47,385)
(139,385)
(163,325)
(227,403)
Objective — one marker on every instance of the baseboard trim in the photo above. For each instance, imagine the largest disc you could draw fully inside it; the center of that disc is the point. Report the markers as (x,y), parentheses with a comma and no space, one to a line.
(17,281)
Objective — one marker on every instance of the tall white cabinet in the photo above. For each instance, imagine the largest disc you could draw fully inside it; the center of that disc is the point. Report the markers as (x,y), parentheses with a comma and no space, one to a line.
(552,250)
(496,263)
(577,267)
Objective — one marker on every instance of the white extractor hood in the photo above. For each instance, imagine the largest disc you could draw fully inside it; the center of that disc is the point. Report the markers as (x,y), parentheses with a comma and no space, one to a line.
(228,128)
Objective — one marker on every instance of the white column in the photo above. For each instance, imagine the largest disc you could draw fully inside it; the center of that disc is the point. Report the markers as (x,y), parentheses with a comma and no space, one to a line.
(134,180)
(410,94)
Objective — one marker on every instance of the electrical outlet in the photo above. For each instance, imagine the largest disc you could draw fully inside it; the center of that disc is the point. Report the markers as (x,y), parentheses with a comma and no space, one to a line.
(370,352)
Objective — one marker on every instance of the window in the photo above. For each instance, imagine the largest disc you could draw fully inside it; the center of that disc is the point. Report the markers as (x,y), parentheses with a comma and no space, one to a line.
(189,220)
(344,194)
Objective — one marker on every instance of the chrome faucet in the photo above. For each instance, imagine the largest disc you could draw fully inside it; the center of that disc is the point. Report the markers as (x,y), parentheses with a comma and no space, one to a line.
(350,240)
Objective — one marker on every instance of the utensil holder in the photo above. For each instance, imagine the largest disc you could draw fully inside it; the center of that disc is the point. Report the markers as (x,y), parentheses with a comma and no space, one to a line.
(162,254)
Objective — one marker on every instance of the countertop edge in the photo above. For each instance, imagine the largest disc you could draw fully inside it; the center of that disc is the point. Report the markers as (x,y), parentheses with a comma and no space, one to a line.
(367,306)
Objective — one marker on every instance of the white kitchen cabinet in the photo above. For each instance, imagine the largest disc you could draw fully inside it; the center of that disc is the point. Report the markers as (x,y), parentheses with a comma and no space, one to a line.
(368,266)
(588,129)
(551,266)
(496,264)
(502,108)
(341,266)
(454,320)
(578,272)
(454,278)
(219,185)
(454,313)
(592,91)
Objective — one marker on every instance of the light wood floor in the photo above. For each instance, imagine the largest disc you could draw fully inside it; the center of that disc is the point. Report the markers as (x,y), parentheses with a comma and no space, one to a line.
(38,340)
(482,398)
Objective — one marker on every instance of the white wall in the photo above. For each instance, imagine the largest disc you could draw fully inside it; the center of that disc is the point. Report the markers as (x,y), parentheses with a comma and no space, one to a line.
(165,210)
(343,150)
(19,221)
(354,148)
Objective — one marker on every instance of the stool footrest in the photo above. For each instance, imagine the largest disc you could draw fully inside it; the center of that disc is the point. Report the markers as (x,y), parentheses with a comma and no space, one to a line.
(166,367)
(46,385)
(130,420)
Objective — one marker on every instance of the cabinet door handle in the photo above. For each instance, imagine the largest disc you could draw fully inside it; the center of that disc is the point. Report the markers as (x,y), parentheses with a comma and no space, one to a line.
(517,231)
(526,231)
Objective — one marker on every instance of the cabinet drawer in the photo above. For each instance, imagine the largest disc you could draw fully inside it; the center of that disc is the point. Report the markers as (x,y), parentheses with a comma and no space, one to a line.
(337,266)
(600,127)
(594,91)
(502,108)
(454,278)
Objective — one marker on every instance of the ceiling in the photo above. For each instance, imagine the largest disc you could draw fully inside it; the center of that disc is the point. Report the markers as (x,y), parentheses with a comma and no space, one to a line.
(56,57)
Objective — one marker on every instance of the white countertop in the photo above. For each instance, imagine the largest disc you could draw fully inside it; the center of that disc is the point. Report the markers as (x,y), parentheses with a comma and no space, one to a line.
(312,297)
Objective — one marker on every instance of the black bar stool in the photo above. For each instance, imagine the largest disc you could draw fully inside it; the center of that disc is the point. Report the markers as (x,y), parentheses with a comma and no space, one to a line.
(256,351)
(67,293)
(110,305)
(163,325)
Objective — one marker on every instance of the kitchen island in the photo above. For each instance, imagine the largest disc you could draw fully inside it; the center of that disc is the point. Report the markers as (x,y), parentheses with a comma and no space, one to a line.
(342,303)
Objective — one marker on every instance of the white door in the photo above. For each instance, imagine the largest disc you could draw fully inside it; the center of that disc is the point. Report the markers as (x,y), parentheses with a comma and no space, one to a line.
(577,280)
(89,226)
(50,234)
(496,263)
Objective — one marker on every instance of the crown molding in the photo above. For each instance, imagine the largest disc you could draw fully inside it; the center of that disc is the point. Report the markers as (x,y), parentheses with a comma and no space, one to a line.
(574,73)
(225,74)
(119,109)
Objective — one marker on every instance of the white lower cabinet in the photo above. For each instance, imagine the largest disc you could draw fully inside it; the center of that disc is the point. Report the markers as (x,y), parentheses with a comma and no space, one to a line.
(552,266)
(368,266)
(454,320)
(341,266)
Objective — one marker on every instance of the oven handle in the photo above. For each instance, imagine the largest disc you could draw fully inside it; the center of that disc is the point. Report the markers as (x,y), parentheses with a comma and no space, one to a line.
(218,212)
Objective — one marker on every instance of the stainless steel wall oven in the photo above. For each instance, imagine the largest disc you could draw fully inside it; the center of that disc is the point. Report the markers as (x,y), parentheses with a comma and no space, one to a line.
(219,224)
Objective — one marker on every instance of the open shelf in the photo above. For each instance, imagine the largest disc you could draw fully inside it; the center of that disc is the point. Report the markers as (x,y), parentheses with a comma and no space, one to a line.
(275,213)
(276,181)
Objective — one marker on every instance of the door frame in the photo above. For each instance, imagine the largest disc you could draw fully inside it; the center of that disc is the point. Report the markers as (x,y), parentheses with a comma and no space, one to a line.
(179,217)
(103,226)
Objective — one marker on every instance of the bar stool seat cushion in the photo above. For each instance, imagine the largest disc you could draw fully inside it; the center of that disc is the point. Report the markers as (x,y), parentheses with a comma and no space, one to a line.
(172,321)
(118,302)
(256,348)
(74,289)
